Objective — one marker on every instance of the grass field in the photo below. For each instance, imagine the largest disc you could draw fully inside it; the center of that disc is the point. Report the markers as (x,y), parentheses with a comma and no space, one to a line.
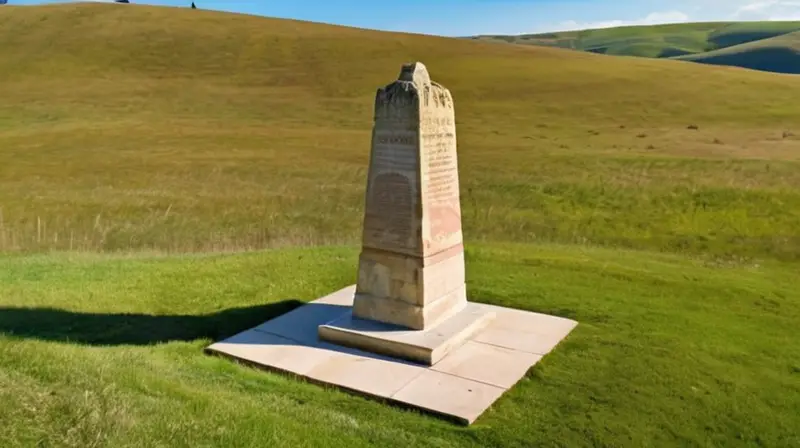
(141,127)
(657,202)
(107,351)
(700,42)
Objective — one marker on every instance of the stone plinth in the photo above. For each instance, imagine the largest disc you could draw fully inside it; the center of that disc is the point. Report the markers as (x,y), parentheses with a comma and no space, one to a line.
(421,346)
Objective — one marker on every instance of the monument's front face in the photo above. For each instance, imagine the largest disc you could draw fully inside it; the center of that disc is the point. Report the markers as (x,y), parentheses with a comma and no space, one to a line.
(411,268)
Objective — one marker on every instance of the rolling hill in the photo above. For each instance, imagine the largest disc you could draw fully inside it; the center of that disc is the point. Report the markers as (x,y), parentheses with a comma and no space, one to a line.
(656,202)
(149,127)
(688,41)
(776,54)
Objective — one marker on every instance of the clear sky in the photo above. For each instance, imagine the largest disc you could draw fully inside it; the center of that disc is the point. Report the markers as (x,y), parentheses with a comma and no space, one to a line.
(469,17)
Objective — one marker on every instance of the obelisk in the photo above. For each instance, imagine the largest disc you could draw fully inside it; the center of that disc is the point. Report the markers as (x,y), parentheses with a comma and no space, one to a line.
(411,267)
(410,299)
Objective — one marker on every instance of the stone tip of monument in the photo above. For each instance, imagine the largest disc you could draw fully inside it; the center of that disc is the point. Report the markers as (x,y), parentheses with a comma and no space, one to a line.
(415,72)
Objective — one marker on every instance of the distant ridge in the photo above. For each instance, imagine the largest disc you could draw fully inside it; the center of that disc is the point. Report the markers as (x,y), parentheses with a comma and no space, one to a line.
(779,54)
(766,46)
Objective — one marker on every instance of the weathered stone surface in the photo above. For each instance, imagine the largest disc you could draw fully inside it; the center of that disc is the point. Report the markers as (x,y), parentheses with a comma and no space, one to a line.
(418,317)
(412,257)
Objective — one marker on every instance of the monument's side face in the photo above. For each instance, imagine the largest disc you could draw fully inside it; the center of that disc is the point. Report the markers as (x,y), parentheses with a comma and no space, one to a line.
(439,173)
(411,269)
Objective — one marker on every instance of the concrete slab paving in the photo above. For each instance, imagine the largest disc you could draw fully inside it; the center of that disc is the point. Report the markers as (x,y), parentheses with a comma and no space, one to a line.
(531,322)
(518,340)
(274,352)
(449,395)
(342,297)
(372,376)
(460,386)
(488,364)
(525,331)
(301,323)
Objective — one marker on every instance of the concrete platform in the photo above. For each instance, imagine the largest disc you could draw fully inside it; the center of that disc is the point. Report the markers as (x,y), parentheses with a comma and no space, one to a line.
(460,386)
(422,346)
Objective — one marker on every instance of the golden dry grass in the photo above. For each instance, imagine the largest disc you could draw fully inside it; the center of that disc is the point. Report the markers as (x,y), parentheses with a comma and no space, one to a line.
(130,127)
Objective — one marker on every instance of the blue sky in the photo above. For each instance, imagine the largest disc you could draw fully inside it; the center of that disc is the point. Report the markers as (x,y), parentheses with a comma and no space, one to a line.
(469,17)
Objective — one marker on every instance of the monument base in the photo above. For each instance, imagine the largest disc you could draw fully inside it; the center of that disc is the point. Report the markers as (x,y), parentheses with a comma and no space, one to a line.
(412,292)
(423,346)
(406,315)
(460,386)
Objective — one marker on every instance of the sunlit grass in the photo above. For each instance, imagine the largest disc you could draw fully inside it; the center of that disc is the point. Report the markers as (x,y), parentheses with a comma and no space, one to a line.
(102,350)
(127,128)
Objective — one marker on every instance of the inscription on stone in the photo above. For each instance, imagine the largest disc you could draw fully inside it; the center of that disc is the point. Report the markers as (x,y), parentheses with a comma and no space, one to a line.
(442,171)
(392,191)
(389,216)
(395,151)
(396,139)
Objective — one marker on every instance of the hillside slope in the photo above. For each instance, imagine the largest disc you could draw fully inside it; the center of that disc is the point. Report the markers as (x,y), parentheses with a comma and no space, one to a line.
(176,129)
(695,41)
(647,41)
(777,54)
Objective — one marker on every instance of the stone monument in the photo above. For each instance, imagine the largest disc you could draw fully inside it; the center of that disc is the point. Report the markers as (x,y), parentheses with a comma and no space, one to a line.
(410,301)
(411,266)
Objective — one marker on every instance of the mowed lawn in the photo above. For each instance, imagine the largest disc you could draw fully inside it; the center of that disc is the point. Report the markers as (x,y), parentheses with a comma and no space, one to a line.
(102,350)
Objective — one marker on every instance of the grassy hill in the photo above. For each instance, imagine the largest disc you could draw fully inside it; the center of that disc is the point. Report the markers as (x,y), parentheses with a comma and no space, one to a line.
(689,41)
(174,129)
(647,41)
(776,54)
(657,202)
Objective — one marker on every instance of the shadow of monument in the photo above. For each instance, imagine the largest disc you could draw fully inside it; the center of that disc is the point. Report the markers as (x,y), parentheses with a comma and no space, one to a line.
(50,324)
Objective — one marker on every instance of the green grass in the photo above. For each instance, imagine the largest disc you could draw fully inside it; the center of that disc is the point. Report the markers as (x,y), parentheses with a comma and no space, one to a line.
(159,131)
(105,350)
(627,40)
(700,42)
(135,127)
(746,32)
